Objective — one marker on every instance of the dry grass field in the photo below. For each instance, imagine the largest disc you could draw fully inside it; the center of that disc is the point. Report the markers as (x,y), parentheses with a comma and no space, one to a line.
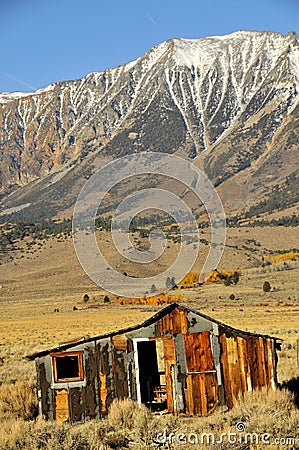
(35,284)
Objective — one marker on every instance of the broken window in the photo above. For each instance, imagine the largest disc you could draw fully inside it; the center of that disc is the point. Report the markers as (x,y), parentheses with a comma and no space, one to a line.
(68,367)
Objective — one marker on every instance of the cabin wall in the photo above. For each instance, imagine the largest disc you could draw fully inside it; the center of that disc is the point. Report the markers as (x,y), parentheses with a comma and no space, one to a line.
(106,364)
(74,401)
(116,370)
(247,363)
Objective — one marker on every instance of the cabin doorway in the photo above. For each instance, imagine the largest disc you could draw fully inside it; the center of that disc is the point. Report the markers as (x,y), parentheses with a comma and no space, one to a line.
(151,384)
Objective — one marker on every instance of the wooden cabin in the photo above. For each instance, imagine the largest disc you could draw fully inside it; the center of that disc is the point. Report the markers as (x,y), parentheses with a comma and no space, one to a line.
(179,359)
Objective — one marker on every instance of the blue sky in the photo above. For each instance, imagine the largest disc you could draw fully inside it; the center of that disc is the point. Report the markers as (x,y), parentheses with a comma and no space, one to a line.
(44,41)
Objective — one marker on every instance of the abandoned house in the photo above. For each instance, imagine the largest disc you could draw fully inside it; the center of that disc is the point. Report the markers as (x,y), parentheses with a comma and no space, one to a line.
(179,360)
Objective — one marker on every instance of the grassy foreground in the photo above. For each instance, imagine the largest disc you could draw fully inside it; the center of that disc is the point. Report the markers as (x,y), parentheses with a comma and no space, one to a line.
(34,286)
(260,420)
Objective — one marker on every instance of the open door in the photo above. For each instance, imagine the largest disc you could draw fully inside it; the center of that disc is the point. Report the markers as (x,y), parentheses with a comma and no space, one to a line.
(150,373)
(148,370)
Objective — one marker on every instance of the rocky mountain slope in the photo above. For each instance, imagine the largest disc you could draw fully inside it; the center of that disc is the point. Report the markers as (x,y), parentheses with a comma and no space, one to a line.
(228,102)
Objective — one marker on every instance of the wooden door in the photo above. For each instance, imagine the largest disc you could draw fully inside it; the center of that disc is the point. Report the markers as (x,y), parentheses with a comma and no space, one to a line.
(201,392)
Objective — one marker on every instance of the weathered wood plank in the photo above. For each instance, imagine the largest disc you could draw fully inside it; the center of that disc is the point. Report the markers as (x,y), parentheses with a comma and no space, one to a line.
(91,399)
(225,371)
(198,351)
(201,393)
(193,405)
(271,363)
(120,342)
(61,405)
(267,378)
(120,375)
(75,402)
(188,391)
(169,350)
(242,356)
(173,323)
(44,386)
(261,362)
(201,406)
(252,352)
(233,367)
(211,388)
(105,368)
(170,359)
(103,391)
(184,322)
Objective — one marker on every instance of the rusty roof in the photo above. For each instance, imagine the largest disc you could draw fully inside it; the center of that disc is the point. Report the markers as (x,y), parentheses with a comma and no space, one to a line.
(164,311)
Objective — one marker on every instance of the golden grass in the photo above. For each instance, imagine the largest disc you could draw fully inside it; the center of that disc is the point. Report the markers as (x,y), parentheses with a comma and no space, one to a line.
(17,400)
(52,279)
(268,415)
(124,413)
(32,325)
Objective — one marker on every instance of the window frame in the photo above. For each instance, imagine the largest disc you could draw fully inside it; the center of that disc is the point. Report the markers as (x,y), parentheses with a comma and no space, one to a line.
(78,354)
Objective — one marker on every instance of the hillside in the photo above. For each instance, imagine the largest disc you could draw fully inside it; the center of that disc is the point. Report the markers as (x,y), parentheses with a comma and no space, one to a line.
(48,270)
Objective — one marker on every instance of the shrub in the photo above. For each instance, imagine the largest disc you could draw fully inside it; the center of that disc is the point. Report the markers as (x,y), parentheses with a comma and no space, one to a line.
(235,278)
(115,440)
(85,298)
(227,276)
(134,421)
(159,299)
(266,286)
(153,289)
(106,299)
(123,413)
(18,400)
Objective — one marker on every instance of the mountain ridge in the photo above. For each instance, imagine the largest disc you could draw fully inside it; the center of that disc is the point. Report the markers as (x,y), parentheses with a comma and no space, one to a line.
(220,101)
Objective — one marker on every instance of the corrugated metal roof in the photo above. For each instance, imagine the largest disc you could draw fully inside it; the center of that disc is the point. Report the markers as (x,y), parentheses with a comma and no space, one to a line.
(164,311)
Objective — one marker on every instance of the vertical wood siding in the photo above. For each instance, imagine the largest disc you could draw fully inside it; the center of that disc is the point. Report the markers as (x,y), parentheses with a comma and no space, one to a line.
(247,363)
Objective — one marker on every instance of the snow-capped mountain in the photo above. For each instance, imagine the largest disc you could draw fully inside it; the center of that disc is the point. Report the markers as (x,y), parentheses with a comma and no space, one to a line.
(229,102)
